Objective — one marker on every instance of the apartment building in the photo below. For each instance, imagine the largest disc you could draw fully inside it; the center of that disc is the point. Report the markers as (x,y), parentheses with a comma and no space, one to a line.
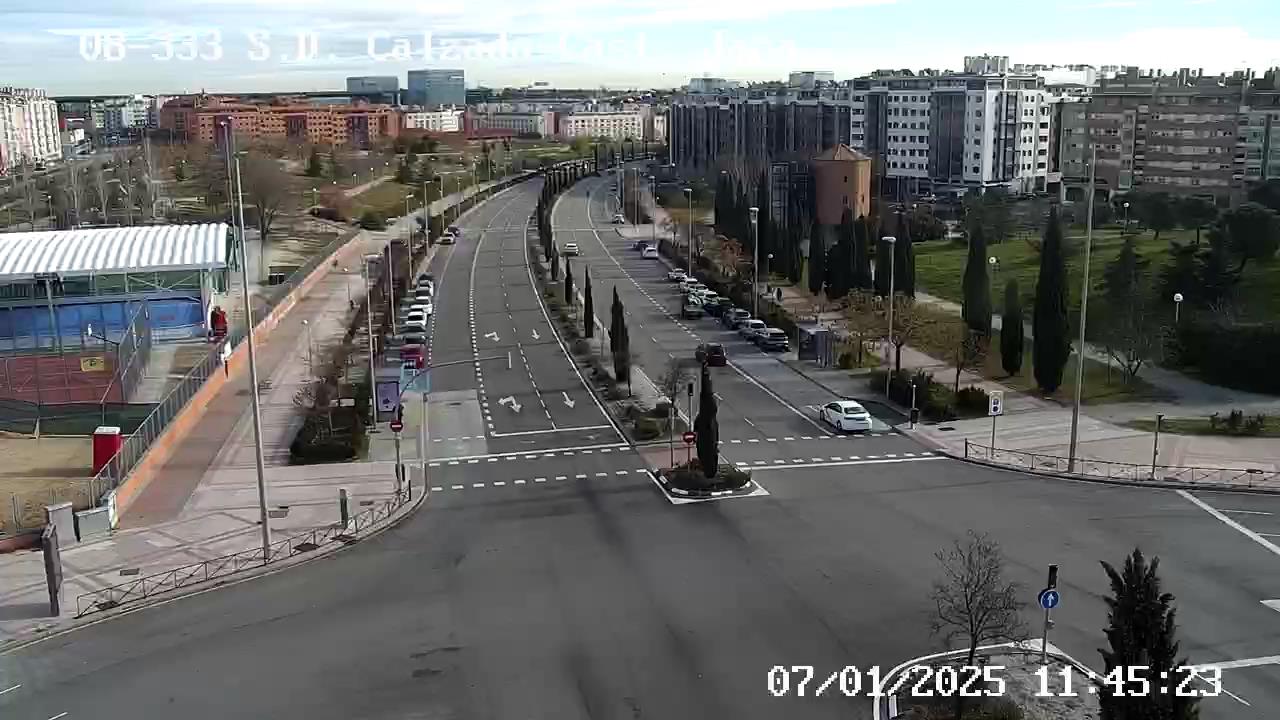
(541,124)
(1259,133)
(442,121)
(1181,133)
(198,118)
(28,128)
(615,125)
(926,133)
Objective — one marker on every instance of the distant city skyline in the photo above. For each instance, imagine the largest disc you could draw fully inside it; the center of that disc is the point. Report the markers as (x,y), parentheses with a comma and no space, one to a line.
(250,46)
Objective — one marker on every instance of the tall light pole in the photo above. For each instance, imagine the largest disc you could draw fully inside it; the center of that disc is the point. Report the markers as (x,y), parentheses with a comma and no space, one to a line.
(253,355)
(653,224)
(1177,307)
(1126,218)
(688,193)
(408,241)
(994,262)
(888,351)
(755,261)
(1084,309)
(310,359)
(367,274)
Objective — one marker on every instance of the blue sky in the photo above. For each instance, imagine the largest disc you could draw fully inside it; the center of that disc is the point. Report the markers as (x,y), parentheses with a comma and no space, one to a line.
(247,45)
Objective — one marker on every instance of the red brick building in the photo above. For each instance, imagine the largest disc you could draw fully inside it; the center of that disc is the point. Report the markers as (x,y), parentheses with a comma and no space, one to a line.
(842,179)
(197,118)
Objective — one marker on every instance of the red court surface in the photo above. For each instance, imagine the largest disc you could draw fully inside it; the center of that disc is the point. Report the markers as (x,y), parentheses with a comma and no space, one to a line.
(73,377)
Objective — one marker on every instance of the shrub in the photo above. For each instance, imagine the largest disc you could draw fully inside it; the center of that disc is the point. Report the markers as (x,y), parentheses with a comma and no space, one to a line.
(846,360)
(972,401)
(662,409)
(648,428)
(1234,420)
(615,393)
(581,346)
(1236,356)
(372,220)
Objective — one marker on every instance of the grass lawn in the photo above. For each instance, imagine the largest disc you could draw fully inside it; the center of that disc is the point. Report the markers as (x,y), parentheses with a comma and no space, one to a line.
(1100,386)
(940,268)
(386,198)
(1202,426)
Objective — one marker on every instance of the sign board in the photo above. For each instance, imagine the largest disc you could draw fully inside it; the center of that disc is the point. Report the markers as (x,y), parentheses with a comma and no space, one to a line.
(1048,598)
(689,437)
(95,363)
(396,426)
(995,401)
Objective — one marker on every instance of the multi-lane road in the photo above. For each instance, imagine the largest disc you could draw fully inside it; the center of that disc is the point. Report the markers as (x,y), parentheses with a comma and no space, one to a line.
(547,576)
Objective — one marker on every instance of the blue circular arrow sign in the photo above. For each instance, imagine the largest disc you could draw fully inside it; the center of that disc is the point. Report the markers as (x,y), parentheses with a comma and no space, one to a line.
(1048,598)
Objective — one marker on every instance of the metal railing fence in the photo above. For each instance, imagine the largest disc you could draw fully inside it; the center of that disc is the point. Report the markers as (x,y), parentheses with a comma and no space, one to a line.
(1127,472)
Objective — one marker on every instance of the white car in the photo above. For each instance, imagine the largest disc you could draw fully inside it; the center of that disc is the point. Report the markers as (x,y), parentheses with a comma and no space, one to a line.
(846,416)
(570,249)
(676,275)
(447,239)
(415,322)
(424,308)
(751,328)
(618,219)
(650,252)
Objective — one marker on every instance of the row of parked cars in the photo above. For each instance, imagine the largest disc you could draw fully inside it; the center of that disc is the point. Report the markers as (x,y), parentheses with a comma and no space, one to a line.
(699,301)
(414,320)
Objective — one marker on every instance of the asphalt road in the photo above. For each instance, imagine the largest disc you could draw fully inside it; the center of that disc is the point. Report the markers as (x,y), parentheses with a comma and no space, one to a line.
(563,584)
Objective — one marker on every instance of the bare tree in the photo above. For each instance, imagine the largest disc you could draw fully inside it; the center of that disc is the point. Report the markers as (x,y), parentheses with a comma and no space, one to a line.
(863,320)
(966,349)
(265,185)
(910,321)
(974,602)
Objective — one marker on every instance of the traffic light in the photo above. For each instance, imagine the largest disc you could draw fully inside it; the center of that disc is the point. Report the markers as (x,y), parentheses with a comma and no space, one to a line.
(1053,577)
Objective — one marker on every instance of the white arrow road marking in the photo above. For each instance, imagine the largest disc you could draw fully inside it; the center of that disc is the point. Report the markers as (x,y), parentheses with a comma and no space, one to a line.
(510,402)
(492,336)
(15,687)
(567,402)
(536,336)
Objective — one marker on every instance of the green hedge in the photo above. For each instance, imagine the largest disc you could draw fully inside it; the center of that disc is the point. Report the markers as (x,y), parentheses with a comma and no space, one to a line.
(1236,356)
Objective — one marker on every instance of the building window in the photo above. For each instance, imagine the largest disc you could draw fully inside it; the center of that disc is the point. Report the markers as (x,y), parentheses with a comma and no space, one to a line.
(977,156)
(975,172)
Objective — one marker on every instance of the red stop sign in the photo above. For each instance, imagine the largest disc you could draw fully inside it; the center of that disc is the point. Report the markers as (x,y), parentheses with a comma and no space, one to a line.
(396,426)
(689,437)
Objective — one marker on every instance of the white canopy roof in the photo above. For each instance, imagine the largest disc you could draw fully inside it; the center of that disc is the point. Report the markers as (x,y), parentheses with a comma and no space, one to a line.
(100,251)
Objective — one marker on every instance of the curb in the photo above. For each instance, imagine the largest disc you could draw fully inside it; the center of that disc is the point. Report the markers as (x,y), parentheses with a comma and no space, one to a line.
(246,575)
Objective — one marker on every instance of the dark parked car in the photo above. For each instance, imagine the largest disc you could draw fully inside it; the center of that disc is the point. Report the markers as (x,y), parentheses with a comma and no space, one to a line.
(714,307)
(773,339)
(711,354)
(734,317)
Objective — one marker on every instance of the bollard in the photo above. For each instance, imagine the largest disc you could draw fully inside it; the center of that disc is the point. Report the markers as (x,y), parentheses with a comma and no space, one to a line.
(343,511)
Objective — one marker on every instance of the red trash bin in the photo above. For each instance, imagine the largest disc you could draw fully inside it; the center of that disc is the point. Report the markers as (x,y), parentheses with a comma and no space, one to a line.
(107,441)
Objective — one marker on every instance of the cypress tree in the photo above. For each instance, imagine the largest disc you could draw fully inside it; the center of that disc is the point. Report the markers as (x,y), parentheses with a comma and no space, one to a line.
(1050,344)
(1011,329)
(707,427)
(840,259)
(622,355)
(588,306)
(568,283)
(555,264)
(817,258)
(314,168)
(1141,630)
(861,255)
(616,314)
(977,284)
(904,267)
(883,265)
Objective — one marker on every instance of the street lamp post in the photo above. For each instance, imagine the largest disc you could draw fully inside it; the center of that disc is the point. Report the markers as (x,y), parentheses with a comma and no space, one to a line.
(994,262)
(1084,309)
(768,260)
(653,220)
(408,239)
(367,274)
(1177,307)
(888,351)
(1155,445)
(1126,218)
(310,358)
(253,354)
(755,261)
(688,193)
(315,196)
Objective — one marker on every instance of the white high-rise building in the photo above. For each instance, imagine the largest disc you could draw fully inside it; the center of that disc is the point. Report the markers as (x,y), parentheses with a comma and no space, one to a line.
(615,125)
(28,128)
(449,120)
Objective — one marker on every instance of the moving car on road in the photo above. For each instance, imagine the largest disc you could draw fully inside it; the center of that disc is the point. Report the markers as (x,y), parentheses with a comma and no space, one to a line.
(650,252)
(676,275)
(640,245)
(570,249)
(455,231)
(711,354)
(618,219)
(772,339)
(448,238)
(749,328)
(846,416)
